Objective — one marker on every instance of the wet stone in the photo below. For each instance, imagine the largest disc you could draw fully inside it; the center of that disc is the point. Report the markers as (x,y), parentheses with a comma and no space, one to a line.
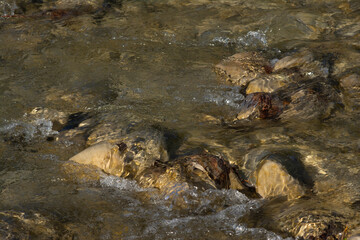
(58,118)
(126,158)
(268,83)
(351,81)
(272,180)
(203,171)
(277,174)
(295,60)
(351,91)
(217,171)
(260,105)
(313,99)
(241,68)
(312,219)
(21,225)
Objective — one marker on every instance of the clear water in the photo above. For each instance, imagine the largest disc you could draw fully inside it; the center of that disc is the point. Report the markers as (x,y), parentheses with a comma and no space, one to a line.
(153,61)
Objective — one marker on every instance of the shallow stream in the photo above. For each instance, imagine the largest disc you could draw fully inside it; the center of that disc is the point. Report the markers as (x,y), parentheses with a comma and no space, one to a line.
(153,61)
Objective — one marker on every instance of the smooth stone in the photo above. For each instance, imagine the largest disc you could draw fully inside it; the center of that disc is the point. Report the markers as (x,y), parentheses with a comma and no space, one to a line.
(173,179)
(295,60)
(304,63)
(128,157)
(275,174)
(105,156)
(267,84)
(272,180)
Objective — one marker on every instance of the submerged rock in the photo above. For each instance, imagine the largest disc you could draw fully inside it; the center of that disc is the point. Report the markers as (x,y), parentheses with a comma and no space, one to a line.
(268,83)
(241,68)
(308,219)
(302,62)
(23,225)
(277,174)
(351,91)
(255,72)
(296,87)
(273,180)
(204,171)
(260,105)
(130,157)
(312,99)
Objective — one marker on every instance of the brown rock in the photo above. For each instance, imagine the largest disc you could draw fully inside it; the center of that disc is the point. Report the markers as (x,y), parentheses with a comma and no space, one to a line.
(241,68)
(273,180)
(204,171)
(295,60)
(267,84)
(350,81)
(103,155)
(304,63)
(260,105)
(277,174)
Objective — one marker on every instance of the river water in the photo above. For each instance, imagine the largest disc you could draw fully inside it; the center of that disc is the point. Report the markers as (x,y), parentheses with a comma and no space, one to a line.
(154,61)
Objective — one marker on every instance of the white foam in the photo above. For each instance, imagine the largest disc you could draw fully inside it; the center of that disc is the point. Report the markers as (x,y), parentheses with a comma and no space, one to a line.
(231,97)
(250,39)
(120,183)
(25,131)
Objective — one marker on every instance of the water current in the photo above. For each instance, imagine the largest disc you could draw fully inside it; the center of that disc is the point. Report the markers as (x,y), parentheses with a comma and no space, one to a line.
(129,61)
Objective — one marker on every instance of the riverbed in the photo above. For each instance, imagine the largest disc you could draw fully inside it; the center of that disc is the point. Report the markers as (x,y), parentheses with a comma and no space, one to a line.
(153,61)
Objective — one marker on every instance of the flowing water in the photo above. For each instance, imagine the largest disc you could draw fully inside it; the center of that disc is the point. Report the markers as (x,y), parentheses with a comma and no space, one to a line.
(153,61)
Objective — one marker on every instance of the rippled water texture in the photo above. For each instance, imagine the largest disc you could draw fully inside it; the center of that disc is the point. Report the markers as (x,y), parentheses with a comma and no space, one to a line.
(153,61)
